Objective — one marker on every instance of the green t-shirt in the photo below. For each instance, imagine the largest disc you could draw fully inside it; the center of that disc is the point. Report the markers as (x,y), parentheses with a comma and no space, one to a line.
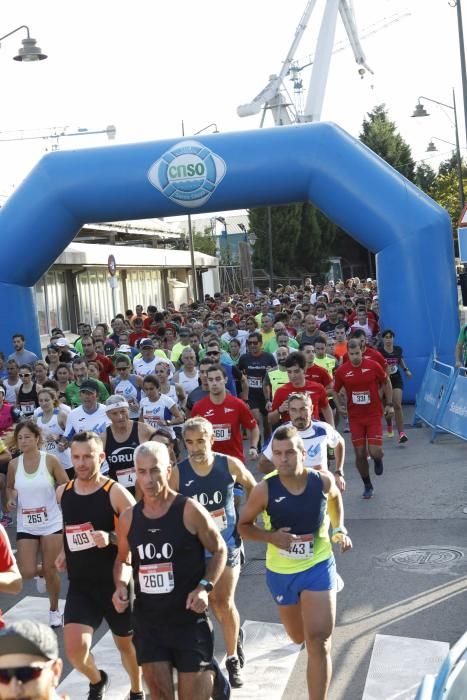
(73,397)
(271,345)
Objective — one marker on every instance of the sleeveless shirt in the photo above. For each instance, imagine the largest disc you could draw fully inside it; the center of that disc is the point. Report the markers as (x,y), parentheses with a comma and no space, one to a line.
(214,491)
(81,515)
(38,511)
(168,563)
(120,457)
(28,401)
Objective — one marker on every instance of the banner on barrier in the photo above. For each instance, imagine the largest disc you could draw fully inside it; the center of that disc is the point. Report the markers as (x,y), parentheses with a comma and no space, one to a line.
(453,415)
(432,392)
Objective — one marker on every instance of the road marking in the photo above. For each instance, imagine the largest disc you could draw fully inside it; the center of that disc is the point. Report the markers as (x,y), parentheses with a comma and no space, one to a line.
(108,658)
(270,659)
(31,608)
(398,664)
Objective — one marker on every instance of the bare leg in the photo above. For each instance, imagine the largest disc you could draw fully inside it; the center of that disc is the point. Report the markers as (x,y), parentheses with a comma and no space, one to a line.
(27,551)
(361,460)
(318,610)
(222,602)
(195,685)
(78,640)
(291,618)
(51,546)
(398,412)
(130,664)
(159,680)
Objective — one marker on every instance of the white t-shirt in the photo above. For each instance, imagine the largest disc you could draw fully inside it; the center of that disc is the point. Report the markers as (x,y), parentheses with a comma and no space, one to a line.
(316,439)
(241,337)
(79,420)
(154,413)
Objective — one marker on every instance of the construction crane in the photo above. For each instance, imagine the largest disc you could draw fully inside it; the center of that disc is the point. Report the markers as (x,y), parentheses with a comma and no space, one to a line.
(275,95)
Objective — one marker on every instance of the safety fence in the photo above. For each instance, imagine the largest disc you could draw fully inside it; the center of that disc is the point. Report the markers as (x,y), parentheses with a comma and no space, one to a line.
(441,401)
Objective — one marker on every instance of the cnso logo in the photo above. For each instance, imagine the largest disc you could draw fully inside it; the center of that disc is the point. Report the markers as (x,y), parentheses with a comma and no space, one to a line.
(188,173)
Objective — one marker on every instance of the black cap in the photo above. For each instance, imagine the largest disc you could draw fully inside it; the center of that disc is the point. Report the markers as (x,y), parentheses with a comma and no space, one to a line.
(28,637)
(146,343)
(89,385)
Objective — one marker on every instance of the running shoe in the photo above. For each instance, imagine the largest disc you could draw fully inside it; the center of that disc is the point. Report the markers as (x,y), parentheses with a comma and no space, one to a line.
(368,492)
(240,650)
(136,696)
(339,583)
(378,466)
(234,670)
(390,433)
(402,438)
(40,584)
(97,691)
(55,618)
(221,689)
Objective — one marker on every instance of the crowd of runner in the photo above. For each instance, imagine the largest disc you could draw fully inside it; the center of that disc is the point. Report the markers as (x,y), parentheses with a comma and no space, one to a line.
(123,455)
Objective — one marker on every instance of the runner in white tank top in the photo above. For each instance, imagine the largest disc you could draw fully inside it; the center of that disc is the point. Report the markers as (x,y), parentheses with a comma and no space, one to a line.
(32,478)
(51,419)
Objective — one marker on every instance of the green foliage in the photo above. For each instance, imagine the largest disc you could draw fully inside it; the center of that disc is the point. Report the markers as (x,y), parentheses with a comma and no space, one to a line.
(425,177)
(445,191)
(380,134)
(204,242)
(301,239)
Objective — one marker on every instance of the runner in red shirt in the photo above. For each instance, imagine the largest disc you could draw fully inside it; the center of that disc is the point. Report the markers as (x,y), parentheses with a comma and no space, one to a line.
(367,352)
(227,415)
(313,372)
(295,365)
(362,378)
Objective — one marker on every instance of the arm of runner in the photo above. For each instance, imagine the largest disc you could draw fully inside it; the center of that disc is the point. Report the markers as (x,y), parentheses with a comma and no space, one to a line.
(122,568)
(336,512)
(10,577)
(198,521)
(120,499)
(181,395)
(245,387)
(254,440)
(11,493)
(339,455)
(326,411)
(242,475)
(387,390)
(56,470)
(249,530)
(174,479)
(178,416)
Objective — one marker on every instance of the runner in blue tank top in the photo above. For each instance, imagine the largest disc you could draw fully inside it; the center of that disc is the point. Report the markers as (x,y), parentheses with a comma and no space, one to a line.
(209,478)
(300,567)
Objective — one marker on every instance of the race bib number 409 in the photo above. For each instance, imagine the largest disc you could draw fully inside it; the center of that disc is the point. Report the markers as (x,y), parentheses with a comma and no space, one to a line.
(79,537)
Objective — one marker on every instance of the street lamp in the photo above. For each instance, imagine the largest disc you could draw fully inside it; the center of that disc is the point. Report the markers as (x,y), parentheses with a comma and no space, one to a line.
(420,111)
(432,146)
(29,51)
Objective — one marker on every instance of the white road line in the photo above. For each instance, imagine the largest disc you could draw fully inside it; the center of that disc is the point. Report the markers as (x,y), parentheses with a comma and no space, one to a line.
(270,659)
(398,665)
(31,608)
(108,658)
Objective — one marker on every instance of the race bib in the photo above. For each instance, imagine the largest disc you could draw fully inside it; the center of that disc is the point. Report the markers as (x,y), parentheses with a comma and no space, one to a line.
(360,397)
(156,578)
(153,421)
(27,409)
(393,369)
(50,446)
(220,518)
(126,477)
(301,548)
(255,382)
(79,537)
(34,517)
(221,432)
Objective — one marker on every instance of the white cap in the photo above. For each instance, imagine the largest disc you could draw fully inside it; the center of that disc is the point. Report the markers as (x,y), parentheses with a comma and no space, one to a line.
(276,302)
(61,342)
(124,348)
(121,403)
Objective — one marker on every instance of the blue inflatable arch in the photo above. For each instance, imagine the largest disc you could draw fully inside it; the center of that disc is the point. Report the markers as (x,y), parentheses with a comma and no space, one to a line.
(410,234)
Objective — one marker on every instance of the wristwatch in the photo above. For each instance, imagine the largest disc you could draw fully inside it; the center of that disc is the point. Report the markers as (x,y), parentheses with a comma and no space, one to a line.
(207,585)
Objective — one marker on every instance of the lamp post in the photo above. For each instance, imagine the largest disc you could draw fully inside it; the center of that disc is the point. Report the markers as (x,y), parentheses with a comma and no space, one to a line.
(460,30)
(195,290)
(29,51)
(420,111)
(431,148)
(271,269)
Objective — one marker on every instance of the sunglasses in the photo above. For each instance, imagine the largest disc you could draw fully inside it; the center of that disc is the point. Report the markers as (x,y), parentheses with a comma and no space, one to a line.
(24,375)
(23,674)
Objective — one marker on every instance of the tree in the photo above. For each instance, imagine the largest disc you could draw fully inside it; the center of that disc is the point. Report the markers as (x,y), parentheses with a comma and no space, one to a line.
(445,192)
(380,134)
(285,228)
(425,177)
(204,242)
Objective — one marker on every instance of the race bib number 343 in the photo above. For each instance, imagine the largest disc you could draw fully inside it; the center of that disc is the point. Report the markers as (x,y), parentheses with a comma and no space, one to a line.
(156,578)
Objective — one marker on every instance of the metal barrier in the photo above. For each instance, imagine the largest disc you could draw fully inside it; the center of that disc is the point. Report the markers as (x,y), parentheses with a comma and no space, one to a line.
(452,417)
(431,398)
(451,681)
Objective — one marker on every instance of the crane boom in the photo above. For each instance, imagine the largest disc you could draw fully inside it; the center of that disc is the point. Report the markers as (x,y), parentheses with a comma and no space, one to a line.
(270,93)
